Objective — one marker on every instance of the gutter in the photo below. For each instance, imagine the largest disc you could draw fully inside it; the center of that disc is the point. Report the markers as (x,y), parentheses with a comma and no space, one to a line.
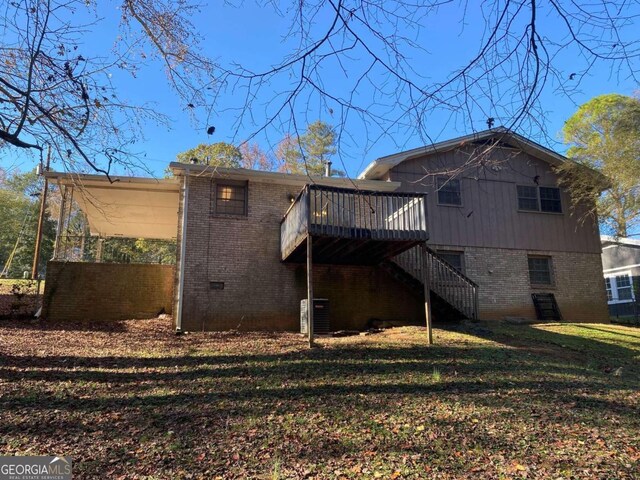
(183,247)
(293,179)
(86,179)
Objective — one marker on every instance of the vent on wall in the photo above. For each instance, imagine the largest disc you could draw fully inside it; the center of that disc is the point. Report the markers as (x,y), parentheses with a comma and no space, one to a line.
(216,285)
(546,306)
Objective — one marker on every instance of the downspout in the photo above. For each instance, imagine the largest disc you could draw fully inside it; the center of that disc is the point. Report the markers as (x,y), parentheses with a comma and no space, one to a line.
(63,206)
(183,247)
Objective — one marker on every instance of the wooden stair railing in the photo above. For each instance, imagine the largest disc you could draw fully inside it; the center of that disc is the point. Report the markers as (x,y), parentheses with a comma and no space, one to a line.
(448,283)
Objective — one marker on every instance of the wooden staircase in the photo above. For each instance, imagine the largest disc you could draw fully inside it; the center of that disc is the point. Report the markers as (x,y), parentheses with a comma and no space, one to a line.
(342,226)
(451,290)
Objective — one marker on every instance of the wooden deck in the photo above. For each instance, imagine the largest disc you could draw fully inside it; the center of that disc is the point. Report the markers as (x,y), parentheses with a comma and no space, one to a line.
(352,226)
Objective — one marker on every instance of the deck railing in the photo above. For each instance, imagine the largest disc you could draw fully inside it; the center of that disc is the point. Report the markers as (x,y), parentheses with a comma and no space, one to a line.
(451,285)
(294,225)
(357,214)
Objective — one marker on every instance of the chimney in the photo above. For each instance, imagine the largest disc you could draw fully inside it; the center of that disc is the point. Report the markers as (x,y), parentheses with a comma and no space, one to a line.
(327,168)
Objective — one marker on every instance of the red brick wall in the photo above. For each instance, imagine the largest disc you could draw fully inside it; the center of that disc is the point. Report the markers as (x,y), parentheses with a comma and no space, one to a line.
(262,293)
(106,291)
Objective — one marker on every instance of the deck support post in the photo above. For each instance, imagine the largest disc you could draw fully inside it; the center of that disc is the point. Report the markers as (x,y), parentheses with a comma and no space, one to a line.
(427,291)
(310,305)
(476,304)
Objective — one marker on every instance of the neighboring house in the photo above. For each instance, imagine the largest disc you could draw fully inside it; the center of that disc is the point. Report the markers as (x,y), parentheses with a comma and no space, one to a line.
(497,230)
(621,267)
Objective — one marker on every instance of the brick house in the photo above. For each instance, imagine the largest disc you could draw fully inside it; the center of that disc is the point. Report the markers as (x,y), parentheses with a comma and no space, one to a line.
(481,238)
(506,225)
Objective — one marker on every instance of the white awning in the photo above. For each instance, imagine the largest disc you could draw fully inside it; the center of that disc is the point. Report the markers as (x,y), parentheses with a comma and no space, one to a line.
(126,207)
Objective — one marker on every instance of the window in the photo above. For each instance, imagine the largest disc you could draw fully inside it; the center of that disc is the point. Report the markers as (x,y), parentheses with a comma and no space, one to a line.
(550,200)
(623,285)
(231,199)
(528,198)
(449,191)
(539,199)
(607,284)
(540,270)
(455,259)
(619,288)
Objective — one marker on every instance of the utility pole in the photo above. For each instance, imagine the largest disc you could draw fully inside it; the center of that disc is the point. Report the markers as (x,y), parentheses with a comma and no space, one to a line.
(43,209)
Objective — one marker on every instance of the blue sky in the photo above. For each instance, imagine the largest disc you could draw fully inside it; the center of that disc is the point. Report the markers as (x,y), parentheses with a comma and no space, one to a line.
(252,35)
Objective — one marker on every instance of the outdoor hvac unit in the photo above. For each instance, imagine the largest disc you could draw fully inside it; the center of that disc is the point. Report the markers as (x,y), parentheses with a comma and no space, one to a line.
(321,323)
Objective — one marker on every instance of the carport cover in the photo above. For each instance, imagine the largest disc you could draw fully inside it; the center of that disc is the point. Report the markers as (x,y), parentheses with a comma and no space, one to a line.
(130,207)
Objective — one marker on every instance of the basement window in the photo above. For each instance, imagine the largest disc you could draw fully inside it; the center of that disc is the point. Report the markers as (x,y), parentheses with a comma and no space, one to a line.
(230,199)
(449,191)
(540,272)
(455,259)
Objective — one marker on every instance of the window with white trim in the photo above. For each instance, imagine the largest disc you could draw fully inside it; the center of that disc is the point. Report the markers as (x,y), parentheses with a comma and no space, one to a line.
(619,288)
(607,284)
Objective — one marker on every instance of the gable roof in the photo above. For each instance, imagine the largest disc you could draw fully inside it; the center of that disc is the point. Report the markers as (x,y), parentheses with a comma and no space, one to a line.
(382,165)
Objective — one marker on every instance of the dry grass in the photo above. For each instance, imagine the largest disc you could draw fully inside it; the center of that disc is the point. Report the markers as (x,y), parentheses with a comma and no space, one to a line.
(134,401)
(11,286)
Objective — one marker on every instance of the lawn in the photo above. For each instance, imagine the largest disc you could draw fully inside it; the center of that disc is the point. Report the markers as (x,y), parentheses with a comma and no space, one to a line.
(10,285)
(487,401)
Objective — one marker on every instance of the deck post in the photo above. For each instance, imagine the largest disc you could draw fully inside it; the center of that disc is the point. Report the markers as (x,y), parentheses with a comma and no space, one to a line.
(427,291)
(476,304)
(310,305)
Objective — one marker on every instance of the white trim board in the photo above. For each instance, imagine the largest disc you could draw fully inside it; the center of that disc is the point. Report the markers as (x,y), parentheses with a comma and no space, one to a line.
(621,268)
(619,241)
